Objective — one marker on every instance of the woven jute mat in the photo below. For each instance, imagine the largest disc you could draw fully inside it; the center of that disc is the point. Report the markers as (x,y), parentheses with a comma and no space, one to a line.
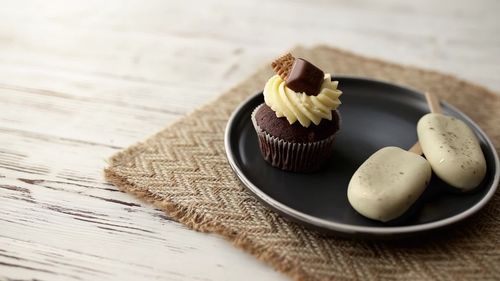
(183,170)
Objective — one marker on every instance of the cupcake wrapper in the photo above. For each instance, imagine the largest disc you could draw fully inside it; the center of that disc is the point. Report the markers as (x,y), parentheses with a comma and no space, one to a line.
(291,156)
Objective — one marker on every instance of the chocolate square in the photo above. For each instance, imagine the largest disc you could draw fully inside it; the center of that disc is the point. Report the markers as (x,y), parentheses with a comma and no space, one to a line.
(305,77)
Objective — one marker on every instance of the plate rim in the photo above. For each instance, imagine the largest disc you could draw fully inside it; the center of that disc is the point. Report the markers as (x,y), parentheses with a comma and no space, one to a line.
(355,229)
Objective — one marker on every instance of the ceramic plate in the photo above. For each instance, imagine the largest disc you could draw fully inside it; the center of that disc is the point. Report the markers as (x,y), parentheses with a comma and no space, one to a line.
(374,114)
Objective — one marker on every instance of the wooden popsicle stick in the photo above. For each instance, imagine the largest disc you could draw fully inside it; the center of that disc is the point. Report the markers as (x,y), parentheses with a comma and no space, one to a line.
(433,103)
(435,107)
(416,148)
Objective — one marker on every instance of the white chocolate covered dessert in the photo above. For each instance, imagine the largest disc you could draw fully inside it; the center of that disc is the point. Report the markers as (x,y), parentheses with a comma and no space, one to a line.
(388,183)
(452,149)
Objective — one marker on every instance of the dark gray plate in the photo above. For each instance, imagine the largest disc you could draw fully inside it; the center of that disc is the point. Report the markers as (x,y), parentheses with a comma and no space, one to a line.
(374,114)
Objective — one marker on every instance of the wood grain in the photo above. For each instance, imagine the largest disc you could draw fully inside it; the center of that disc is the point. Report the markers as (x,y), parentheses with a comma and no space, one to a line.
(81,80)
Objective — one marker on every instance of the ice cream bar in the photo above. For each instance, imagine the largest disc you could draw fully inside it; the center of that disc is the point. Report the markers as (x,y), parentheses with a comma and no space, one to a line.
(452,149)
(388,183)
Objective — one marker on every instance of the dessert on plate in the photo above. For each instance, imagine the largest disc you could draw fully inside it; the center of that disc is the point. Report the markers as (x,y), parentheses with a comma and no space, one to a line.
(296,125)
(453,150)
(388,183)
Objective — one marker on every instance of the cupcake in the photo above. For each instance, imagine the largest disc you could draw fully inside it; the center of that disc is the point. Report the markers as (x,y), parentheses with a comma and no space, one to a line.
(296,125)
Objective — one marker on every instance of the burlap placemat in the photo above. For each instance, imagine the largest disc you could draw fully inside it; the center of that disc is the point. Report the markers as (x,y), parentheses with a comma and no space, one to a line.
(183,170)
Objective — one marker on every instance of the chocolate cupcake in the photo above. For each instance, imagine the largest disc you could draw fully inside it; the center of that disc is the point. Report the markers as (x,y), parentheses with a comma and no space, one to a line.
(296,125)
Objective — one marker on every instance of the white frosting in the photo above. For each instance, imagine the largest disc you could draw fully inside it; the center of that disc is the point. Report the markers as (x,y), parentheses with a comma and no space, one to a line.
(452,149)
(300,106)
(388,183)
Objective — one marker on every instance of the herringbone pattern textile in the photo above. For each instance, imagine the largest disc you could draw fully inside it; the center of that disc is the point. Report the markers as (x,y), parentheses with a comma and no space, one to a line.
(183,170)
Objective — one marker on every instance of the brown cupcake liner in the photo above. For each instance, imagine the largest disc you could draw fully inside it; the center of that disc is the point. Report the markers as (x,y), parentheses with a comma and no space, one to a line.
(292,156)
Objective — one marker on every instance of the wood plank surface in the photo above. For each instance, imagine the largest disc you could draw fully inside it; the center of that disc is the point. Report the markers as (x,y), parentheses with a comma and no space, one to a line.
(81,80)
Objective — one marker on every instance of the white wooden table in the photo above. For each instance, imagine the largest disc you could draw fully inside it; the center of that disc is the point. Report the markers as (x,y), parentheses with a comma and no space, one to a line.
(81,80)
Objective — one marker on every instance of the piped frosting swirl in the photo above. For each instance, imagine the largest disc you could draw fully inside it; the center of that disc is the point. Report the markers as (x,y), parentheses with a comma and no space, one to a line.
(300,106)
